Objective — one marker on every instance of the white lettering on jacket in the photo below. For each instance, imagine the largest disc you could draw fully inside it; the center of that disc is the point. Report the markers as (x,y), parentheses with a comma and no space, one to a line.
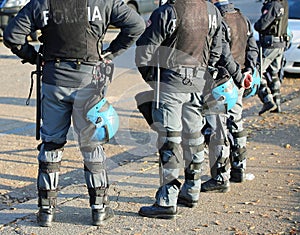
(212,21)
(93,13)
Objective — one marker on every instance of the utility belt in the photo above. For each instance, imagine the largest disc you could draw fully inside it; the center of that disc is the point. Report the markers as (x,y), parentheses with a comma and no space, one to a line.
(270,40)
(102,73)
(79,64)
(188,73)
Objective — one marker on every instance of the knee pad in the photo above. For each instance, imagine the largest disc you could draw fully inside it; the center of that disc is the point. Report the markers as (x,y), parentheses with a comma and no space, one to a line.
(170,162)
(170,155)
(50,152)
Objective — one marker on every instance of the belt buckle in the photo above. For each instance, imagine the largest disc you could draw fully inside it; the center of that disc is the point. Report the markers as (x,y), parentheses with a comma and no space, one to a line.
(187,80)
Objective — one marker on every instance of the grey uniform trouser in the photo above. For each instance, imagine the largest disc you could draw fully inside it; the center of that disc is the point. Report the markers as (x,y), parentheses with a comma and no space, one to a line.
(219,147)
(59,105)
(224,151)
(270,87)
(180,121)
(238,134)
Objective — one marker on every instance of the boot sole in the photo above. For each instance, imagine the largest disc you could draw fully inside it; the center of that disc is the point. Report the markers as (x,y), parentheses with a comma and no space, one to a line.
(42,224)
(102,222)
(268,110)
(45,223)
(161,216)
(225,190)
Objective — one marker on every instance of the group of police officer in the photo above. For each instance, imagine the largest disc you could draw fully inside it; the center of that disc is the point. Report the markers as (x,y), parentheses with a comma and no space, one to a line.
(199,58)
(186,45)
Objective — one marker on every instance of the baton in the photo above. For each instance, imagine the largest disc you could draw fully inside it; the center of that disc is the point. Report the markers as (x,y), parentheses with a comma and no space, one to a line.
(260,57)
(158,75)
(38,74)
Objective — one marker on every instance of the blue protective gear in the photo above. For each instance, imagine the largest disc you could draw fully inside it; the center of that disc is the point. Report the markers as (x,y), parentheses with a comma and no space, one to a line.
(106,120)
(254,85)
(227,93)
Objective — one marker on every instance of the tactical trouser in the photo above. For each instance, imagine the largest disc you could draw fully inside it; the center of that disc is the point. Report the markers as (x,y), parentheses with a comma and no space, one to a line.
(269,90)
(219,147)
(238,138)
(59,104)
(179,113)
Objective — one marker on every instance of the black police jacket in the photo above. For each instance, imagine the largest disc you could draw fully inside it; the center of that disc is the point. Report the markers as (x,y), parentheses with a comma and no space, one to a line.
(101,14)
(159,41)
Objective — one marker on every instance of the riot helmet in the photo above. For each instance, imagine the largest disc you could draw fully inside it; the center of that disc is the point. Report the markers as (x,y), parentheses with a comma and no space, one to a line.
(225,90)
(105,120)
(254,85)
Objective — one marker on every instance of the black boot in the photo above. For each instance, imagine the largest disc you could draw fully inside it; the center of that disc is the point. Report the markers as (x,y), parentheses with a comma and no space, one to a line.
(269,106)
(213,185)
(47,202)
(157,211)
(102,216)
(45,217)
(99,199)
(237,175)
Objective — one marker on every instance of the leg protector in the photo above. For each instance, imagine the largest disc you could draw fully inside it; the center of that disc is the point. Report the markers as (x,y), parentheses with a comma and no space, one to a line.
(264,94)
(49,157)
(275,88)
(219,159)
(95,169)
(97,184)
(193,152)
(167,194)
(190,190)
(98,197)
(47,183)
(238,164)
(170,162)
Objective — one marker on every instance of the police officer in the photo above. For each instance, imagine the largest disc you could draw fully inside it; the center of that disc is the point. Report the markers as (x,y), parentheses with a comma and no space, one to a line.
(187,37)
(272,27)
(239,43)
(72,33)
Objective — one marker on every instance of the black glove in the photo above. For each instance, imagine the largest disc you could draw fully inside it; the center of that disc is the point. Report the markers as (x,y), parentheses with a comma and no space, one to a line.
(26,52)
(147,73)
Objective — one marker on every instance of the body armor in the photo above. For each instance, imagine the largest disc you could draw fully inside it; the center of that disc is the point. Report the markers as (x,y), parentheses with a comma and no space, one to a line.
(68,34)
(238,34)
(191,33)
(279,27)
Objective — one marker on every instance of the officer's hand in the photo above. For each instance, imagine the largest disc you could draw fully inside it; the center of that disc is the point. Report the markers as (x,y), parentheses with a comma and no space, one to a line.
(247,80)
(26,52)
(107,56)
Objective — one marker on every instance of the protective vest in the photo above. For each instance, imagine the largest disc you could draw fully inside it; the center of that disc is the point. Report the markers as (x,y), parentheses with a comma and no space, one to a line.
(279,26)
(283,23)
(68,34)
(192,30)
(238,35)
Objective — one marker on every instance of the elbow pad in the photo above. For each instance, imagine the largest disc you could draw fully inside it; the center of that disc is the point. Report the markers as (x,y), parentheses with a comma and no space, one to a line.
(26,52)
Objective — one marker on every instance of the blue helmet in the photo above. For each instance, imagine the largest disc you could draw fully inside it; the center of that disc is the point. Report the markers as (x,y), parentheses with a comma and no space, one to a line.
(225,90)
(105,119)
(254,85)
